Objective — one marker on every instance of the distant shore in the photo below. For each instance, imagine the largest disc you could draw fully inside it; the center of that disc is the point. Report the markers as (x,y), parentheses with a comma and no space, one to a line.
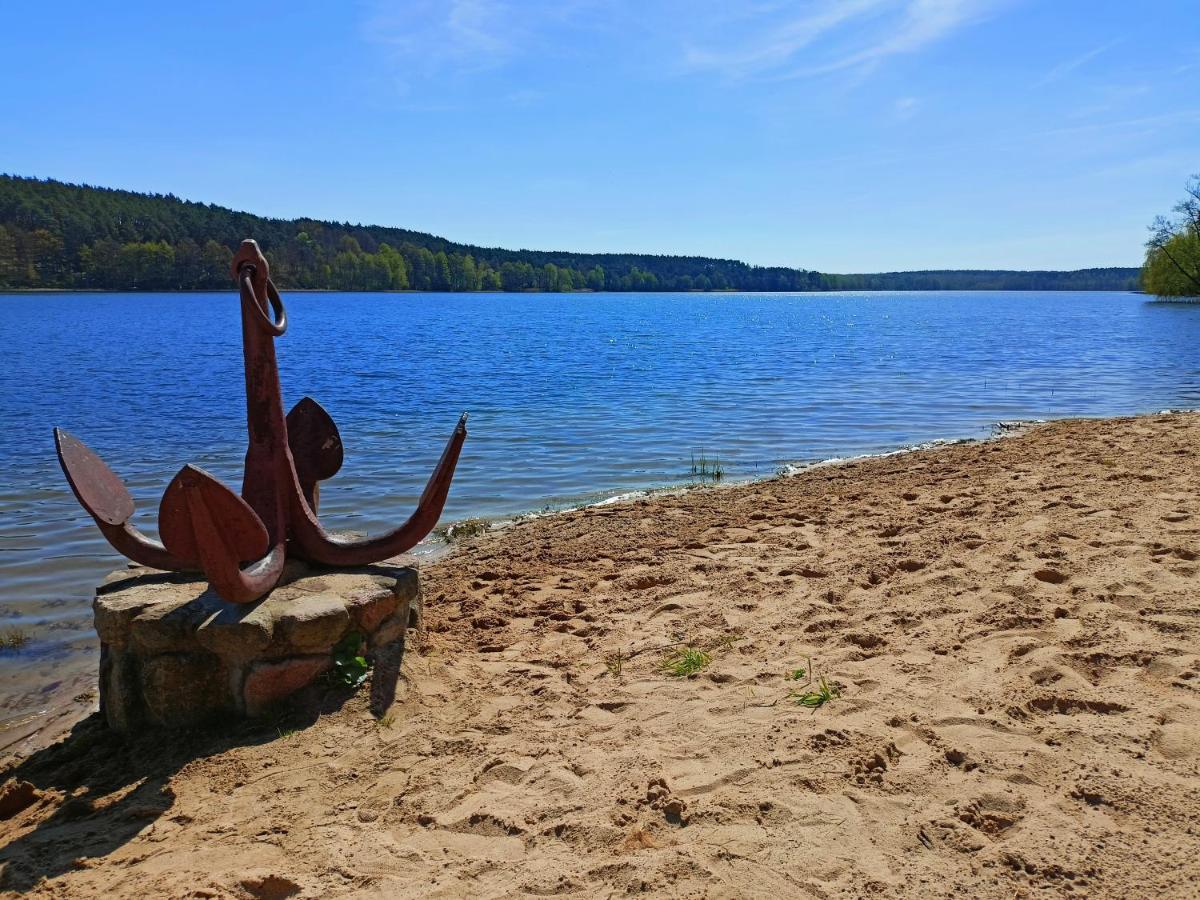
(1000,637)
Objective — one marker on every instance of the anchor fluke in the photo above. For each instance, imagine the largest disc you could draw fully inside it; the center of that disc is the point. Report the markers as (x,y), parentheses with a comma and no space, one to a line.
(96,486)
(199,514)
(316,446)
(242,534)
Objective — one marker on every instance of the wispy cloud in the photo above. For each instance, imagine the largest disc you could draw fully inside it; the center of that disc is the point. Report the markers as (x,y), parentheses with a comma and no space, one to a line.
(431,37)
(759,39)
(781,36)
(835,35)
(1068,66)
(428,33)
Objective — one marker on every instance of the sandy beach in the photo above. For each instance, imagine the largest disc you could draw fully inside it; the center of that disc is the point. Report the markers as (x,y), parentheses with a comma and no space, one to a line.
(1010,628)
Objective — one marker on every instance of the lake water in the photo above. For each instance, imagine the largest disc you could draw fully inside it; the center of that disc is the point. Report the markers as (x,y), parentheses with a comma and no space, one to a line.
(572,398)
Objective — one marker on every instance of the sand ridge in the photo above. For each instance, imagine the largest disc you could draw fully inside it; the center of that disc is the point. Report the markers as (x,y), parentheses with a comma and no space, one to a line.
(1012,625)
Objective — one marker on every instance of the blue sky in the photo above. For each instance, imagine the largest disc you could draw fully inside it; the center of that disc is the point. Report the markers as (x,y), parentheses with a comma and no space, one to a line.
(839,135)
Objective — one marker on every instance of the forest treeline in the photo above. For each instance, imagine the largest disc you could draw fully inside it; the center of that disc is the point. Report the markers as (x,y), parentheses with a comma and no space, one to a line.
(1111,279)
(58,235)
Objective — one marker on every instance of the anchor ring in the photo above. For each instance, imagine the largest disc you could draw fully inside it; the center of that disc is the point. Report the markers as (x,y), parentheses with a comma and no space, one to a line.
(279,325)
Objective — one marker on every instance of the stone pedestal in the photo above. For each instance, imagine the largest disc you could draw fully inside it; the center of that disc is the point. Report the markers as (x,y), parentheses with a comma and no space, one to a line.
(174,654)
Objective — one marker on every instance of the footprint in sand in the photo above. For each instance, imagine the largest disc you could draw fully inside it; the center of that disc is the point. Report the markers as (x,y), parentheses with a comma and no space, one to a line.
(992,814)
(1067,706)
(872,768)
(1050,576)
(1176,741)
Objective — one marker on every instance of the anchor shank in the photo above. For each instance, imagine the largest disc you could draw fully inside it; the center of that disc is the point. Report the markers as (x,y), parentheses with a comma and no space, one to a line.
(269,463)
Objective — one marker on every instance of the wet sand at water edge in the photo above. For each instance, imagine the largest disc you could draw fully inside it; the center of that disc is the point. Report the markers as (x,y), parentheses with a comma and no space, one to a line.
(1012,629)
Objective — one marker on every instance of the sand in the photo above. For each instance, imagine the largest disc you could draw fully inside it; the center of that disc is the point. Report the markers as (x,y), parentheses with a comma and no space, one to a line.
(1012,625)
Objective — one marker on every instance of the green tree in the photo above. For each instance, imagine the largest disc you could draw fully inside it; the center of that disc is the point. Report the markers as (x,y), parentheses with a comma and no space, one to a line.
(1172,267)
(146,265)
(517,276)
(489,280)
(9,261)
(216,260)
(44,252)
(463,276)
(189,264)
(396,266)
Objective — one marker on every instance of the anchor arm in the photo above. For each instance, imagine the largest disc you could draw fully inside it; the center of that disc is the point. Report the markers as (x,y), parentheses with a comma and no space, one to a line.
(319,546)
(106,499)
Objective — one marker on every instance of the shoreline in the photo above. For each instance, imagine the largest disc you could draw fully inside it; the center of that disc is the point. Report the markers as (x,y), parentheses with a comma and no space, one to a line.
(1007,629)
(29,731)
(1000,431)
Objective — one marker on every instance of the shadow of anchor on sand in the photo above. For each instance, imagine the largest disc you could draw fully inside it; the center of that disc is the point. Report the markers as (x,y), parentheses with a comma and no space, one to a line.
(95,790)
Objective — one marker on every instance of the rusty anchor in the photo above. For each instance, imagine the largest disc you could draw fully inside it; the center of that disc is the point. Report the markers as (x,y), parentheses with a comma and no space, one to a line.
(240,543)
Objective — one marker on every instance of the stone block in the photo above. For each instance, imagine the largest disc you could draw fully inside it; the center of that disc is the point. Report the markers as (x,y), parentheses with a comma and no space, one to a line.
(407,585)
(395,627)
(169,626)
(238,631)
(269,682)
(120,690)
(112,619)
(416,613)
(173,653)
(181,689)
(312,622)
(370,607)
(127,593)
(392,629)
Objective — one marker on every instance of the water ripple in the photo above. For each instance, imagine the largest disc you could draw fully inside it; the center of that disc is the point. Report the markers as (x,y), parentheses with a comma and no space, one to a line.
(572,397)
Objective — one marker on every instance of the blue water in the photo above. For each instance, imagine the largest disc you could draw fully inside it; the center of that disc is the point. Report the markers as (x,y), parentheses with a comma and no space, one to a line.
(572,397)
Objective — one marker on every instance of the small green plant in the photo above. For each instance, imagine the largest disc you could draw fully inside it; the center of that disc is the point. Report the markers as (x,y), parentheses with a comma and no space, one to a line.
(461,531)
(727,641)
(825,692)
(285,733)
(703,467)
(13,638)
(349,667)
(684,661)
(801,674)
(613,664)
(387,720)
